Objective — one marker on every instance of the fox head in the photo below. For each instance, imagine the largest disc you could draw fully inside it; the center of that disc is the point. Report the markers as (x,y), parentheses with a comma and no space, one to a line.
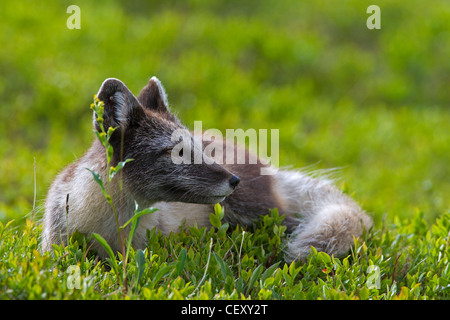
(145,133)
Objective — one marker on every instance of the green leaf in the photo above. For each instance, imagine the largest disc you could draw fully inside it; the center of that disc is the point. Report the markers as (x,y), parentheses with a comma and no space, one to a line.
(215,220)
(289,280)
(223,266)
(134,224)
(219,211)
(114,170)
(108,250)
(138,214)
(255,275)
(364,293)
(139,257)
(161,272)
(223,230)
(99,181)
(326,259)
(181,261)
(269,271)
(240,285)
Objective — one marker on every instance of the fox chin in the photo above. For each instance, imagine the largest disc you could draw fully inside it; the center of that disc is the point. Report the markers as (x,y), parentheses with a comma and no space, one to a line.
(317,214)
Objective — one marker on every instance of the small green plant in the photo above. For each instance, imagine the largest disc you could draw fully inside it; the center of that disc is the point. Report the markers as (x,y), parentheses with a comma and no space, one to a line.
(104,136)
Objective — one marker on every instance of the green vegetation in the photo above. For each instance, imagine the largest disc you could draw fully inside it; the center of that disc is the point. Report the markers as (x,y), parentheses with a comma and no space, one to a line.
(412,261)
(374,103)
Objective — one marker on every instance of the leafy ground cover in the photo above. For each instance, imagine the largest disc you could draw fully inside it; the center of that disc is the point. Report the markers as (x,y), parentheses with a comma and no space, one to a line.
(404,260)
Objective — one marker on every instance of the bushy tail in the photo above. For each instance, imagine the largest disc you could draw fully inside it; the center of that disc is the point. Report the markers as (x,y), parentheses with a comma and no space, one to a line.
(328,220)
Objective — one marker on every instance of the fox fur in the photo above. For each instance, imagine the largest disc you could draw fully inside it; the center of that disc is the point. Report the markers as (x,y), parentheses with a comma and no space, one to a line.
(316,212)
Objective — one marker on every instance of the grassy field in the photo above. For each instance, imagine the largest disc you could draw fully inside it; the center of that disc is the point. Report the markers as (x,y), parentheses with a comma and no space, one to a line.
(374,103)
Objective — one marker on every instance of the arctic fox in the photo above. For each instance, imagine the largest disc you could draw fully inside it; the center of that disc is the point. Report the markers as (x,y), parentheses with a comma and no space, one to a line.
(316,212)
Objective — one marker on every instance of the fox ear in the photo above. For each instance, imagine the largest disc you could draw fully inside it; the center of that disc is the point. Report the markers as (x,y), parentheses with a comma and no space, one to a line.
(153,96)
(120,106)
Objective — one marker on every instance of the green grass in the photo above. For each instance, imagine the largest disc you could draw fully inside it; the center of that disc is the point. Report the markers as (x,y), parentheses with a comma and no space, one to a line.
(411,260)
(374,103)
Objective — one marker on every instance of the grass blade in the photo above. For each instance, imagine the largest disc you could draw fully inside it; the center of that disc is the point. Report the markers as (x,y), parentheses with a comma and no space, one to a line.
(139,257)
(255,275)
(223,266)
(108,250)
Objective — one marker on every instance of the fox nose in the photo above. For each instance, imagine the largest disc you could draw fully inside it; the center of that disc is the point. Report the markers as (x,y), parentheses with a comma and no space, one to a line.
(234,181)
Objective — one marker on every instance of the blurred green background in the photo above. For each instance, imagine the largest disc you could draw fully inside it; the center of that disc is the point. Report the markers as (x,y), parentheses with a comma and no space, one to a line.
(374,103)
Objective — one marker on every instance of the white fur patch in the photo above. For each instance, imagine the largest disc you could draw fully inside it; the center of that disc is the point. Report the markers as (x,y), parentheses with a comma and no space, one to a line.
(161,90)
(121,107)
